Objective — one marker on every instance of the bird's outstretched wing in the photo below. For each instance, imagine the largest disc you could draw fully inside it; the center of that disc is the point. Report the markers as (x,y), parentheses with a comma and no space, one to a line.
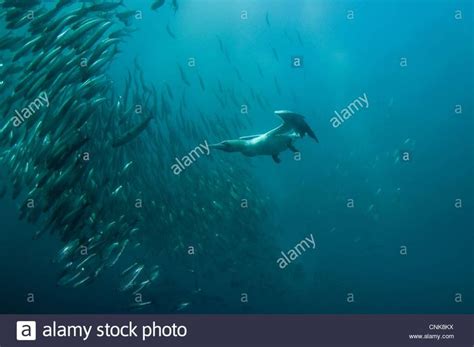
(293,122)
(249,137)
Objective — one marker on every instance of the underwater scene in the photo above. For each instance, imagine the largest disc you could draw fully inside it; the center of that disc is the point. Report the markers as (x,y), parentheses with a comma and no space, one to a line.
(236,156)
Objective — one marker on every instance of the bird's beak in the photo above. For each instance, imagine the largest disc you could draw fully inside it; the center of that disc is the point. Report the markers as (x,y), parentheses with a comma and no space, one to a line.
(220,146)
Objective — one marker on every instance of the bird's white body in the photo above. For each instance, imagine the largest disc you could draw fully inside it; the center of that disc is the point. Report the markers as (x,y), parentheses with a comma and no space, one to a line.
(267,144)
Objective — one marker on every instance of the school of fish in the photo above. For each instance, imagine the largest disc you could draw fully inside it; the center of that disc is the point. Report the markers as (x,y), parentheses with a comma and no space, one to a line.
(92,164)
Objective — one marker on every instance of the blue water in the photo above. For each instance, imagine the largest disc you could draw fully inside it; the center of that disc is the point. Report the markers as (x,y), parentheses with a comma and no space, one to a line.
(397,204)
